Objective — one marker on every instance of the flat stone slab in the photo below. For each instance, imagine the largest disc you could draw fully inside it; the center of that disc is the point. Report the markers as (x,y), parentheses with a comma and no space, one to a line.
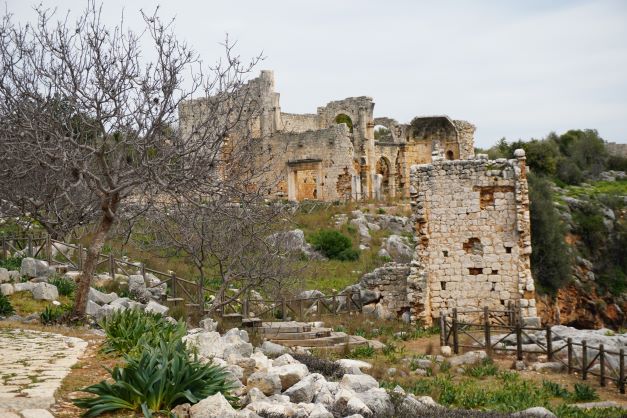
(32,366)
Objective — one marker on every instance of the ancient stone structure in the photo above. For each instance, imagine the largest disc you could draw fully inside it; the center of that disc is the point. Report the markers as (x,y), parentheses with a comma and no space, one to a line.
(619,150)
(342,151)
(473,237)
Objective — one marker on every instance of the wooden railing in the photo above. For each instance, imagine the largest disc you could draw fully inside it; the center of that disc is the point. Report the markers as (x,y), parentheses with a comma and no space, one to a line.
(606,365)
(193,293)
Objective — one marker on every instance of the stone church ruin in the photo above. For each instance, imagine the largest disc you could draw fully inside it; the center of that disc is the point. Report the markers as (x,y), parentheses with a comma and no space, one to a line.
(470,215)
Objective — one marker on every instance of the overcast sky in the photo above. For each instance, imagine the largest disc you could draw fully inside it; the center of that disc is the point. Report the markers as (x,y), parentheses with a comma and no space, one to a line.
(518,69)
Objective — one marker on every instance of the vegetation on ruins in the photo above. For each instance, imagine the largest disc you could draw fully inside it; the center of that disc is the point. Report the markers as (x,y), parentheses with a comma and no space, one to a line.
(89,131)
(333,244)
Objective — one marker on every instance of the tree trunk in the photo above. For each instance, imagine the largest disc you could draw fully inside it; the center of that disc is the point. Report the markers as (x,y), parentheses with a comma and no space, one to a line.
(89,266)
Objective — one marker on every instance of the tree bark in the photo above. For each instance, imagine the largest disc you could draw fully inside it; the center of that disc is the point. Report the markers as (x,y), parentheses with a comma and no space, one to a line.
(91,260)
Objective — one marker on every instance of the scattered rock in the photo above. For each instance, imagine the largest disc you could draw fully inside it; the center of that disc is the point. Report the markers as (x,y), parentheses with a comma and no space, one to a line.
(31,267)
(155,307)
(209,324)
(215,406)
(536,412)
(272,350)
(45,291)
(101,298)
(358,383)
(4,275)
(269,384)
(469,358)
(6,289)
(290,374)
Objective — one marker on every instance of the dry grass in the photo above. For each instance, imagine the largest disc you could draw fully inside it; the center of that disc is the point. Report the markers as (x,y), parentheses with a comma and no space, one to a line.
(24,304)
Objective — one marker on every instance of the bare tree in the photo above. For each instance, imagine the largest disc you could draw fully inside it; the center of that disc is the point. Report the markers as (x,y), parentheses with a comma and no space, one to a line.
(57,75)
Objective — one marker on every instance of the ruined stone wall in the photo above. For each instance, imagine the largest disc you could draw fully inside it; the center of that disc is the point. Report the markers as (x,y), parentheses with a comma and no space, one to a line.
(616,149)
(291,122)
(466,135)
(324,156)
(473,234)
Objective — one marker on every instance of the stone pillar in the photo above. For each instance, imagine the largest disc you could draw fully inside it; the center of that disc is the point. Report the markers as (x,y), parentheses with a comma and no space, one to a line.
(292,192)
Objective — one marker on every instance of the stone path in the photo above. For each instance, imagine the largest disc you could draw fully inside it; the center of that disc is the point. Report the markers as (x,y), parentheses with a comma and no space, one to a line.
(32,366)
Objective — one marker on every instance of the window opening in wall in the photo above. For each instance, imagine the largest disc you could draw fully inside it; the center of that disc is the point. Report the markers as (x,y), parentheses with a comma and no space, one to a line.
(475,271)
(503,302)
(449,155)
(443,285)
(508,250)
(493,286)
(381,133)
(445,253)
(495,272)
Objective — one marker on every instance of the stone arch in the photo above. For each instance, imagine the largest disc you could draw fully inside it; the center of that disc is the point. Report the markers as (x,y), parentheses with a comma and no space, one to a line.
(383,168)
(344,118)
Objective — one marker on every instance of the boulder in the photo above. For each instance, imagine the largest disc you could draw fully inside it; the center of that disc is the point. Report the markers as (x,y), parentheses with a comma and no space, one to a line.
(4,275)
(208,324)
(304,390)
(268,383)
(92,308)
(272,350)
(14,276)
(378,401)
(107,310)
(45,291)
(549,366)
(272,409)
(215,406)
(398,248)
(101,298)
(358,382)
(535,412)
(23,287)
(6,289)
(290,374)
(319,411)
(350,365)
(155,307)
(31,267)
(211,344)
(469,358)
(347,403)
(137,288)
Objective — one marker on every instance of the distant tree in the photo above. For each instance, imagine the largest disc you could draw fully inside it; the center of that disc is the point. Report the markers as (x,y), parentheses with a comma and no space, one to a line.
(541,156)
(550,257)
(382,133)
(122,156)
(342,118)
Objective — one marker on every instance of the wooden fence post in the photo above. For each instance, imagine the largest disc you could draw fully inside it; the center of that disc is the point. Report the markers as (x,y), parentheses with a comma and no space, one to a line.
(584,360)
(621,371)
(300,308)
(80,257)
(111,266)
(143,270)
(30,245)
(201,297)
(570,355)
(442,329)
(173,284)
(49,249)
(519,351)
(486,330)
(549,343)
(335,304)
(602,365)
(455,336)
(350,302)
(319,307)
(283,309)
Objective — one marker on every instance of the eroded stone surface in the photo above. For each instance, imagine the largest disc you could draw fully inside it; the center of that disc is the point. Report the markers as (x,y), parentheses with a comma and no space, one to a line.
(32,366)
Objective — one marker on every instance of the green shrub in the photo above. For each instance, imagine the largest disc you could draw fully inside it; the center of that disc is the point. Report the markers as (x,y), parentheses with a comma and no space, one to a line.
(583,393)
(54,314)
(333,244)
(155,381)
(11,263)
(554,389)
(6,308)
(65,286)
(129,330)
(485,368)
(363,351)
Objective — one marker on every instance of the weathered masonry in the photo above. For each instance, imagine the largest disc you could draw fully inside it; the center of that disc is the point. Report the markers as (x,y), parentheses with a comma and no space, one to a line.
(342,151)
(473,237)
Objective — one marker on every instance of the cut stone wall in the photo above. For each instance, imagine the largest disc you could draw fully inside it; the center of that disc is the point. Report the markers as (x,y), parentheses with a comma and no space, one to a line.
(473,237)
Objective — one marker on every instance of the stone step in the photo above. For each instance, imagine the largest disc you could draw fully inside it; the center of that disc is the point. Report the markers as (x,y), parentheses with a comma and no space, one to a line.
(333,339)
(314,333)
(291,326)
(341,347)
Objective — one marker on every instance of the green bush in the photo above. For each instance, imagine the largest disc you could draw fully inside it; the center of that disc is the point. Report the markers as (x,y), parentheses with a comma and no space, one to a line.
(11,263)
(129,330)
(555,389)
(155,381)
(363,351)
(583,393)
(333,244)
(6,308)
(65,286)
(54,314)
(485,368)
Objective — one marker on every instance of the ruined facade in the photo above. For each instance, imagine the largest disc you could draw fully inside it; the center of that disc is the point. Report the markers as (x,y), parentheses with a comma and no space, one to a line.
(333,154)
(473,237)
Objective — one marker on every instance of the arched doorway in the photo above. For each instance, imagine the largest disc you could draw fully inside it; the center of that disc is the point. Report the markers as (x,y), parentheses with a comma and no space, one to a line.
(383,168)
(344,118)
(450,155)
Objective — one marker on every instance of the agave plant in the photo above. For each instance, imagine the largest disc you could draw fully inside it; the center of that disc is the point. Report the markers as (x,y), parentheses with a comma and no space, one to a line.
(155,381)
(129,330)
(6,308)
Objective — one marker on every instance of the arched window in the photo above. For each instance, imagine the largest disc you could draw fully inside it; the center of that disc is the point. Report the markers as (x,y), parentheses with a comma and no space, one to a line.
(381,133)
(342,118)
